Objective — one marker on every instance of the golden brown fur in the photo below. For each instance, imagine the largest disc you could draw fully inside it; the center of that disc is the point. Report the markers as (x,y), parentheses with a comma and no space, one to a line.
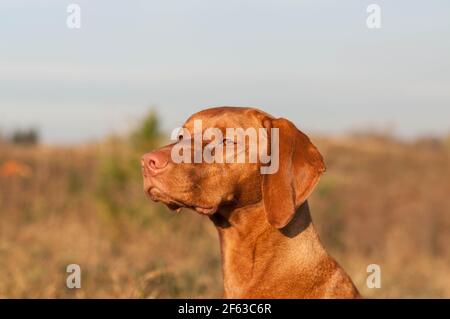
(269,246)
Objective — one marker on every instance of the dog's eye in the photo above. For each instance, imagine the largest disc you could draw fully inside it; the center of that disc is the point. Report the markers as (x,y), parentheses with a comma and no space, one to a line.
(227,141)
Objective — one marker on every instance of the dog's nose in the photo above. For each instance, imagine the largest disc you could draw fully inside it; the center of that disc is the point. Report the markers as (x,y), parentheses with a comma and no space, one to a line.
(154,161)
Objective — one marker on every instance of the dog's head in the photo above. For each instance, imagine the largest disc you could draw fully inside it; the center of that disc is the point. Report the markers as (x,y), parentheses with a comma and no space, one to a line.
(220,158)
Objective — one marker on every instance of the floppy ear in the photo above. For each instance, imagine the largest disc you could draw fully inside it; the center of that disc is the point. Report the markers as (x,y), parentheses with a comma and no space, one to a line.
(300,167)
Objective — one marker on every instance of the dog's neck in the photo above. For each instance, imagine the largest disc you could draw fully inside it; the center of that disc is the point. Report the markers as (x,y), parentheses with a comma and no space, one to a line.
(251,248)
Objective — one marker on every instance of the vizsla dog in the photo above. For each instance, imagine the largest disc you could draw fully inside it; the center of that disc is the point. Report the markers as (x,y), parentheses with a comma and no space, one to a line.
(269,246)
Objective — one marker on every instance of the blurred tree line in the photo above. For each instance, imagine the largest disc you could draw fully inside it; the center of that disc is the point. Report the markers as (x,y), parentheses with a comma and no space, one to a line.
(119,176)
(28,136)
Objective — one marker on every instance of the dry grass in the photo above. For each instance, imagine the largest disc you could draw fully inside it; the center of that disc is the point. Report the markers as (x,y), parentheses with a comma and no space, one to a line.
(381,201)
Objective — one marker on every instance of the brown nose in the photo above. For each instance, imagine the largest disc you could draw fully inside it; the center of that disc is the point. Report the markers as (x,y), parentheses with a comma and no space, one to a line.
(154,161)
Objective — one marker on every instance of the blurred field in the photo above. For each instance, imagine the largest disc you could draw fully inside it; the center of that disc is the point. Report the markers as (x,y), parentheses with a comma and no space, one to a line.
(381,201)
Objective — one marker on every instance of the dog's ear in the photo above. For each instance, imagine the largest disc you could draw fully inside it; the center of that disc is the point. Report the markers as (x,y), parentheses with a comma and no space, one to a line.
(299,170)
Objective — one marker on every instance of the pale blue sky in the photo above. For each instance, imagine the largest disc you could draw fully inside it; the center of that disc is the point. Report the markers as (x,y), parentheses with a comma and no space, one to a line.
(312,61)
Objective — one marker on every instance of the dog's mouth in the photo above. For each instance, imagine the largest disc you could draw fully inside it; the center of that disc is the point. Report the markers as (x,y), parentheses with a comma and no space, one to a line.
(157,195)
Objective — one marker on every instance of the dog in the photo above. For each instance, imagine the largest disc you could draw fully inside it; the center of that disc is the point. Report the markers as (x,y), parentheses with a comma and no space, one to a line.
(269,246)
